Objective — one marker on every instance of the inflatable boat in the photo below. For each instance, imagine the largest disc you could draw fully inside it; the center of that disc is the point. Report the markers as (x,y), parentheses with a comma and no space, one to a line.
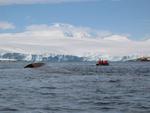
(102,62)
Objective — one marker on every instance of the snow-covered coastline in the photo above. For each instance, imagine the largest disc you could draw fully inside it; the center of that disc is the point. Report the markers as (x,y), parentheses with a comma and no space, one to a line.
(65,42)
(10,56)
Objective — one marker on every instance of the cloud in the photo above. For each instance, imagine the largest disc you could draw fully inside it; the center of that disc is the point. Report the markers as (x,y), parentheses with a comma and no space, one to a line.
(68,39)
(10,2)
(6,25)
(66,30)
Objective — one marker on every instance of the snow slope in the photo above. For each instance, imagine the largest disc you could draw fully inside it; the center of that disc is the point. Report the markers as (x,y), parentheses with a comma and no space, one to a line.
(65,39)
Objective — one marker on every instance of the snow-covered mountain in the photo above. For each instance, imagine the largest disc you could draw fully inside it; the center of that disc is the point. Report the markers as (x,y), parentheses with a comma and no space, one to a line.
(9,56)
(39,42)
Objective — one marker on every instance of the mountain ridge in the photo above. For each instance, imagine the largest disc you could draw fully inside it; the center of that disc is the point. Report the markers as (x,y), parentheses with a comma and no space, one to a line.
(66,39)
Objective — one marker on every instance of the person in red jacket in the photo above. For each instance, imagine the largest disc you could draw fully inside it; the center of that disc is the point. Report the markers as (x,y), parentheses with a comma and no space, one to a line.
(100,61)
(105,62)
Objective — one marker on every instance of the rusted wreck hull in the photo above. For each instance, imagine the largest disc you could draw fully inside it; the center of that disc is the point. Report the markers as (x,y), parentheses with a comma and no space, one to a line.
(34,65)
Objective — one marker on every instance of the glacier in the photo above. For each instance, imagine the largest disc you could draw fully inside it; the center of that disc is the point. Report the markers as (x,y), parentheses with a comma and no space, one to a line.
(8,56)
(34,57)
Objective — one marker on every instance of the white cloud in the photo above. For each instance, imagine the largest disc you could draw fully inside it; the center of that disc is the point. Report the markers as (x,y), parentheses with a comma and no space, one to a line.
(68,39)
(10,2)
(117,38)
(37,27)
(6,25)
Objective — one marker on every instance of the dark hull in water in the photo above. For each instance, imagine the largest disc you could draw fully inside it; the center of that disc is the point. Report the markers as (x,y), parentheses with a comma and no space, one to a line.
(34,65)
(102,64)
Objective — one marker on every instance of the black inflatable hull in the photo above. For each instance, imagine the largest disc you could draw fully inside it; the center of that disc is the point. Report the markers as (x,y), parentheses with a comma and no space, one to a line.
(102,64)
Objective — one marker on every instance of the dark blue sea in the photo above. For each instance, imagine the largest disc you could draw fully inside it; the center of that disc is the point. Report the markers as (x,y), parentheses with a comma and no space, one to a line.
(122,87)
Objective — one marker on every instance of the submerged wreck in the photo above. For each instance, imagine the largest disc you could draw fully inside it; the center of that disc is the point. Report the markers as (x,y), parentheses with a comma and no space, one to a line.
(34,65)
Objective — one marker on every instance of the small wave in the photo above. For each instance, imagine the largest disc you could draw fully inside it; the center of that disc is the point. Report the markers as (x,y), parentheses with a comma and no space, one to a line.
(8,109)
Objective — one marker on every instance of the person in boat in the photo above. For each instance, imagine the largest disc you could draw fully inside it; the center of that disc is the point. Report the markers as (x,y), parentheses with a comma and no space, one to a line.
(102,62)
(99,62)
(105,62)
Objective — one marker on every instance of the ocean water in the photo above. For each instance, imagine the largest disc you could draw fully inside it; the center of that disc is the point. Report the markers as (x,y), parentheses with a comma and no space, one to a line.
(75,88)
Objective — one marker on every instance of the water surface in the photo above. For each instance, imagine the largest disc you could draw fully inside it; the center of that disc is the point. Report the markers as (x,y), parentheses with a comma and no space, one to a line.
(75,88)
